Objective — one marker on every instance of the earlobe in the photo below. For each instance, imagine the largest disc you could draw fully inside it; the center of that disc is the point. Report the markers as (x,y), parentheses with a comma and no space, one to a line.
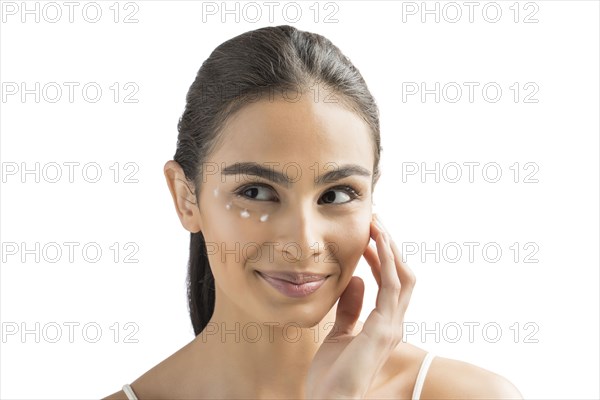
(184,198)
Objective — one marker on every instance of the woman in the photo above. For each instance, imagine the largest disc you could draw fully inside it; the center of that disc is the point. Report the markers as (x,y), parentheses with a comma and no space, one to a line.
(276,162)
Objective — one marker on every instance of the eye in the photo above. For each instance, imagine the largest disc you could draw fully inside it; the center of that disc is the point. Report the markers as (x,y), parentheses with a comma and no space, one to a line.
(254,193)
(348,193)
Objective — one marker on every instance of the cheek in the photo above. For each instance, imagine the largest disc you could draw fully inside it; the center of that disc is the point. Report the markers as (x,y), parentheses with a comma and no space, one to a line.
(351,238)
(233,227)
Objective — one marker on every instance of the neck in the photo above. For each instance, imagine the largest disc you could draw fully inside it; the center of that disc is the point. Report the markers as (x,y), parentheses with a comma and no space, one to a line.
(259,359)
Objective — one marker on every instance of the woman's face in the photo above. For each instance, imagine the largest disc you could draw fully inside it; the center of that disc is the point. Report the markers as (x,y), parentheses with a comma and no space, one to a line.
(287,220)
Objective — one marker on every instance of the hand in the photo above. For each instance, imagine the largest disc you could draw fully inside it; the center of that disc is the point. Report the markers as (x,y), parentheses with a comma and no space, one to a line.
(345,366)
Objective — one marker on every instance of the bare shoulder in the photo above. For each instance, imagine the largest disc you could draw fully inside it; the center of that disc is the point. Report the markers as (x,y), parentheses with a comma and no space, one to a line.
(446,378)
(161,380)
(454,379)
(120,395)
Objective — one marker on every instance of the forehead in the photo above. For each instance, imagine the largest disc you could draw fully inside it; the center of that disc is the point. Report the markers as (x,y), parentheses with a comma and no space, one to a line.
(304,131)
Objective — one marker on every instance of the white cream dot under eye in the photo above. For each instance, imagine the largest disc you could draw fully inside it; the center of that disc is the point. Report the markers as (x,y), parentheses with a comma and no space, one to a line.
(244,213)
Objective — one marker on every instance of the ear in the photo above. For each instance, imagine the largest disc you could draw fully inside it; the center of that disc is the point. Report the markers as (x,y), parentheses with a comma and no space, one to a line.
(184,197)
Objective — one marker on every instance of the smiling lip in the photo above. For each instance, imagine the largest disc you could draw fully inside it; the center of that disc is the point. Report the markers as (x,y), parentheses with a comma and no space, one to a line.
(293,277)
(310,283)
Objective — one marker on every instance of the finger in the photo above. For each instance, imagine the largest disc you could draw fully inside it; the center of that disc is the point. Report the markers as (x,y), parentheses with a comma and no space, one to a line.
(404,273)
(370,255)
(407,277)
(349,307)
(389,291)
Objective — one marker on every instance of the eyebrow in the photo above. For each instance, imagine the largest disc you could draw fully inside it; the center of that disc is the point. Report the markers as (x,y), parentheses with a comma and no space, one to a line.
(255,169)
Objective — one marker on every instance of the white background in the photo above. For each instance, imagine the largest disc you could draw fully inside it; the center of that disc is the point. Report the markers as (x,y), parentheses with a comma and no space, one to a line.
(555,356)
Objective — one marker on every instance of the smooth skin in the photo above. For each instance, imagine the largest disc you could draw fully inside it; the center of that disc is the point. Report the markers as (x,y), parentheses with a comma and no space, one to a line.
(348,359)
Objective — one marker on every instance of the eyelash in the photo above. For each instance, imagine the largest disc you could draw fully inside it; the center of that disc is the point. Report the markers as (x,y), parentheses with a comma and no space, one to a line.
(350,191)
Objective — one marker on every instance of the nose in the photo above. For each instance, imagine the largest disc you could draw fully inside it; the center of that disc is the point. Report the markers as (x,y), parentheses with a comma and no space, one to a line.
(301,234)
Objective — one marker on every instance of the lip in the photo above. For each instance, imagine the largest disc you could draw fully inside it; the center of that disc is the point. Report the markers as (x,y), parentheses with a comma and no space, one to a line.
(297,278)
(310,284)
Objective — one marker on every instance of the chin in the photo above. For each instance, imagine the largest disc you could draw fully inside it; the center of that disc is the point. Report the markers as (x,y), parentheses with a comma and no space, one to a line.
(304,317)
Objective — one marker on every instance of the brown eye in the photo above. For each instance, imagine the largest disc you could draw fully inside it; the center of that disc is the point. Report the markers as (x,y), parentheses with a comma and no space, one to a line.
(256,192)
(346,195)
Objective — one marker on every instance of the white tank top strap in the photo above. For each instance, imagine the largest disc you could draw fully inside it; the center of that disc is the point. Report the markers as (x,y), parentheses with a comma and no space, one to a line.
(421,376)
(129,392)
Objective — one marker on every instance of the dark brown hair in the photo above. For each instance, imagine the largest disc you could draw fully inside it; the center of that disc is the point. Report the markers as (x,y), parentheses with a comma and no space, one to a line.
(271,59)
